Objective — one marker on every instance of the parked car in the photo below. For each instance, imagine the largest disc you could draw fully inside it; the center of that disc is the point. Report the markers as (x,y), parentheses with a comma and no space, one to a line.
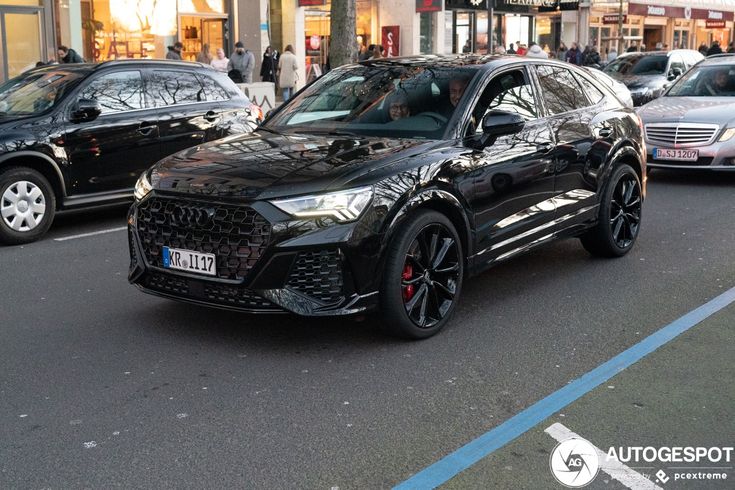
(383,185)
(692,126)
(617,88)
(74,136)
(648,74)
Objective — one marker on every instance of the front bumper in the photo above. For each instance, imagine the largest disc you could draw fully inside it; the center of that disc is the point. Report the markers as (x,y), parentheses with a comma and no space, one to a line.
(265,261)
(715,156)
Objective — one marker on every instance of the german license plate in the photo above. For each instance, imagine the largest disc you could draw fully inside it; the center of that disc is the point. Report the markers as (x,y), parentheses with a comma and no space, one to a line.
(189,261)
(678,155)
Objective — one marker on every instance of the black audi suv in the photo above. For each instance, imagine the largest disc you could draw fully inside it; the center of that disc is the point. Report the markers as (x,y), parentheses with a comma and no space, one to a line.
(384,185)
(79,135)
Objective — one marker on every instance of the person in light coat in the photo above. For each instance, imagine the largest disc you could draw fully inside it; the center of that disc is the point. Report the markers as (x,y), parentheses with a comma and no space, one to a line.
(288,72)
(241,65)
(536,51)
(221,61)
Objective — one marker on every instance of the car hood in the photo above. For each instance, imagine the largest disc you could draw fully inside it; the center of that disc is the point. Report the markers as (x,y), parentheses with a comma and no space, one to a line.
(719,110)
(639,81)
(262,165)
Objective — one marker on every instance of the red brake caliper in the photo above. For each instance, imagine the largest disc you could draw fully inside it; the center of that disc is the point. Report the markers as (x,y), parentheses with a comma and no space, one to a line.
(408,291)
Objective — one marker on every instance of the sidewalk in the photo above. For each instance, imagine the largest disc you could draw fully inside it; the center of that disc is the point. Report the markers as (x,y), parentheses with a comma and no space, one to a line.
(680,395)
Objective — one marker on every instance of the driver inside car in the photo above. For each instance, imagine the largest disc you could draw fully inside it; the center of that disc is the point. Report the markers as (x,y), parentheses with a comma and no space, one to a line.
(398,108)
(719,83)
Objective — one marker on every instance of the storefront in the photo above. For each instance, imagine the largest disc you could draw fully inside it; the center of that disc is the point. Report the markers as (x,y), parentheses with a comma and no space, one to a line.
(677,26)
(26,34)
(115,29)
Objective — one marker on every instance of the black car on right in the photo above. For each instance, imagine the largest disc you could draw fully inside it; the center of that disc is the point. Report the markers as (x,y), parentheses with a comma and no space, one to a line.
(648,74)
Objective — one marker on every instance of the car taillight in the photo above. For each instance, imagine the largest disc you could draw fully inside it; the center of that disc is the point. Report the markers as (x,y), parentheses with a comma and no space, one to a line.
(257,112)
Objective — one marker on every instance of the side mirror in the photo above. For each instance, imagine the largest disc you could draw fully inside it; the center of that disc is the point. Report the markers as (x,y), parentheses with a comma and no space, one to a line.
(501,123)
(86,110)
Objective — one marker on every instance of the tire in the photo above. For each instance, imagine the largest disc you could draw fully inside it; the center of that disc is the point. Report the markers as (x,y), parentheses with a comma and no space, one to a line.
(619,219)
(418,296)
(27,205)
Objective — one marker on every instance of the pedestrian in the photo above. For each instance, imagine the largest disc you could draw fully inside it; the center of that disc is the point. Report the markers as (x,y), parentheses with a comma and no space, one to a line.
(467,47)
(174,52)
(68,55)
(703,49)
(269,66)
(715,48)
(522,50)
(592,59)
(535,51)
(643,48)
(204,56)
(377,52)
(288,73)
(612,55)
(367,53)
(561,53)
(511,49)
(573,54)
(584,55)
(632,48)
(221,61)
(241,65)
(730,48)
(659,46)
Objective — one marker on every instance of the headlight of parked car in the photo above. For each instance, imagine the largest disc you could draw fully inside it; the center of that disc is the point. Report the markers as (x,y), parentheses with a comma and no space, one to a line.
(143,187)
(343,206)
(727,134)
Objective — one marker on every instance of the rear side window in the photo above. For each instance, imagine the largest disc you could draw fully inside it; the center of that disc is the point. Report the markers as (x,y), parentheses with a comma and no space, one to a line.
(593,93)
(212,89)
(560,90)
(173,88)
(116,92)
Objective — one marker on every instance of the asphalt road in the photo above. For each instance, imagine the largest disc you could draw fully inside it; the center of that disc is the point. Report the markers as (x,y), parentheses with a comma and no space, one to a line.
(102,386)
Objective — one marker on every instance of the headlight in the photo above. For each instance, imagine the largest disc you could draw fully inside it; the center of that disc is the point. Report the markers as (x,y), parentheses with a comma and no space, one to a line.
(142,187)
(729,133)
(343,206)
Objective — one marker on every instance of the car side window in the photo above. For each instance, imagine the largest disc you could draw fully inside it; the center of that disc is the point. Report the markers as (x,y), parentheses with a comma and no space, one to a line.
(172,88)
(509,91)
(593,93)
(559,89)
(116,92)
(212,89)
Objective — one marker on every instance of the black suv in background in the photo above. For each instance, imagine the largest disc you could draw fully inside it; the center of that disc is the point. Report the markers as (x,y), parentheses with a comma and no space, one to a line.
(79,135)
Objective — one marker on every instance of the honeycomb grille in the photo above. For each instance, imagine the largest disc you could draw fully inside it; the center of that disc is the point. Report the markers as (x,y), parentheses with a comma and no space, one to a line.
(219,294)
(133,255)
(318,275)
(237,235)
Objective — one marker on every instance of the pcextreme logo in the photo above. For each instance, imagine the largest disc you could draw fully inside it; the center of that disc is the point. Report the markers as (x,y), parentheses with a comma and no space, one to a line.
(574,463)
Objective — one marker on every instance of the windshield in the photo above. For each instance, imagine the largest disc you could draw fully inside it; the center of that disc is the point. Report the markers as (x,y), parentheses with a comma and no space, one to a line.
(638,65)
(705,81)
(35,92)
(383,100)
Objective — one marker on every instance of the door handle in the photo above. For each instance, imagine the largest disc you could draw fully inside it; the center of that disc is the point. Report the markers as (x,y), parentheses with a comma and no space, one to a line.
(147,130)
(211,116)
(605,132)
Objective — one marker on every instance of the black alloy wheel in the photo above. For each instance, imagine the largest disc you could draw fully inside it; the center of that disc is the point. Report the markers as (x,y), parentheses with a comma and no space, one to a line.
(423,276)
(619,219)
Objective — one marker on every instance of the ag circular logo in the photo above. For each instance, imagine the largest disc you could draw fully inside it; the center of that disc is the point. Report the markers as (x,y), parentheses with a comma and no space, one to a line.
(574,463)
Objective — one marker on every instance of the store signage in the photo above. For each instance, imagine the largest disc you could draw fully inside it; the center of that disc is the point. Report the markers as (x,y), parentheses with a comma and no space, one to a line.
(715,24)
(614,19)
(466,4)
(543,5)
(312,3)
(391,36)
(429,5)
(679,12)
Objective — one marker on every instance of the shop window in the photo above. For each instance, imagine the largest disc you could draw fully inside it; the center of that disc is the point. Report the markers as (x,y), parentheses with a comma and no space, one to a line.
(116,92)
(560,90)
(173,88)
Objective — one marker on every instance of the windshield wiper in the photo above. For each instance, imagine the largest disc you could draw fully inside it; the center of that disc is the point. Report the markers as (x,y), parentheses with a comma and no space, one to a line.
(329,132)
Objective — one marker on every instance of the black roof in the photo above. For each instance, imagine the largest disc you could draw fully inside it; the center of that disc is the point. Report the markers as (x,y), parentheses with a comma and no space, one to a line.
(87,68)
(488,62)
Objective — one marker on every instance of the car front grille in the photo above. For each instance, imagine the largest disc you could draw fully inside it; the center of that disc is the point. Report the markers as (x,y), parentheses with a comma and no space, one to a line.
(237,235)
(318,275)
(680,134)
(202,290)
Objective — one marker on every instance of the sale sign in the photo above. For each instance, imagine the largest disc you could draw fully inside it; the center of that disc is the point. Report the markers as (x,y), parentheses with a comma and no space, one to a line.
(391,41)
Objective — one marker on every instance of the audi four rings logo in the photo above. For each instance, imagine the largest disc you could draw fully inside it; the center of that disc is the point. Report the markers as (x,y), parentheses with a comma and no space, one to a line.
(185,215)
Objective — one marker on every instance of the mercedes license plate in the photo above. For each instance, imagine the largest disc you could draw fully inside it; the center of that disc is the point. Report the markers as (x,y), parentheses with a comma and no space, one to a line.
(677,155)
(189,261)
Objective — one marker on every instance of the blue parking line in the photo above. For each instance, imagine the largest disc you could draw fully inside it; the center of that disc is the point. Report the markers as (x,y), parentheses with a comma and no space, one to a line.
(469,454)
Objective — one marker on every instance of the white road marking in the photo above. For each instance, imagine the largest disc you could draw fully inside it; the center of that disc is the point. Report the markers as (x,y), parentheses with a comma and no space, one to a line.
(84,235)
(614,468)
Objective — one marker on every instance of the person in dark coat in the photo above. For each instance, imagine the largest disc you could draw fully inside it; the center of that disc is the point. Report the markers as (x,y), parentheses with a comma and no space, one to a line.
(593,58)
(269,67)
(703,49)
(174,52)
(574,56)
(511,49)
(714,49)
(67,55)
